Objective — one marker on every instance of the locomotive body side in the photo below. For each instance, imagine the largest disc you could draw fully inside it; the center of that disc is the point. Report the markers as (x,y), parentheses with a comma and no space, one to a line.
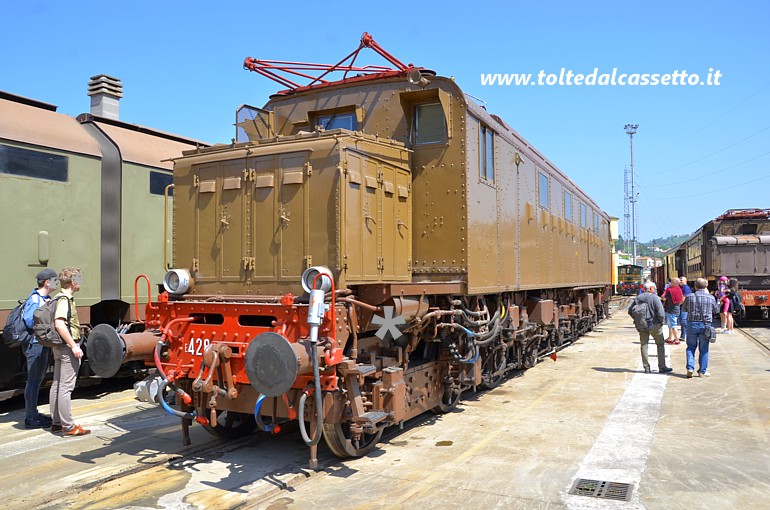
(740,248)
(736,245)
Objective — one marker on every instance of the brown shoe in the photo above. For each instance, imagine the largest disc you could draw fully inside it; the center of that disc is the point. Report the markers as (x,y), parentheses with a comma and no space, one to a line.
(75,431)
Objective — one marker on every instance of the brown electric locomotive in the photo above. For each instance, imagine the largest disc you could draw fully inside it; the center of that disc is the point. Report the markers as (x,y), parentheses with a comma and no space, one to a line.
(367,249)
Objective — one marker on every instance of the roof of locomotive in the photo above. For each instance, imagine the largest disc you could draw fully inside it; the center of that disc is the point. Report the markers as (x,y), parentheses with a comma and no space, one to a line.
(303,136)
(499,125)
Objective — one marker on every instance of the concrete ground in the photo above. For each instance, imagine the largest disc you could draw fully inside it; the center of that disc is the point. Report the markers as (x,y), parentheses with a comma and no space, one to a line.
(592,414)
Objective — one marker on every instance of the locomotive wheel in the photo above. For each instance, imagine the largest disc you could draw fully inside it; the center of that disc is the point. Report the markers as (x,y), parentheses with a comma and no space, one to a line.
(449,400)
(338,439)
(558,339)
(230,425)
(495,363)
(530,359)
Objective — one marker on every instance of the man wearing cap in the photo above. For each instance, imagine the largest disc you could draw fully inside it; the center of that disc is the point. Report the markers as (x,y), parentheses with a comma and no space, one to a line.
(37,355)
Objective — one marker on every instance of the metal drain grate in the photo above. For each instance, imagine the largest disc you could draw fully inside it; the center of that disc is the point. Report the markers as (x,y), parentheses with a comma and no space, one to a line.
(600,489)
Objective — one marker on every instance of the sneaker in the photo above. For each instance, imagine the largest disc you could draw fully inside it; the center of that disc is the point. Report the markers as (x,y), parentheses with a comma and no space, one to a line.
(36,423)
(704,374)
(689,374)
(75,431)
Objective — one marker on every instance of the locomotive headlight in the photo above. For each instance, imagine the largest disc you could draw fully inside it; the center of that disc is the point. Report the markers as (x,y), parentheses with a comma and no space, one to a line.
(177,281)
(324,282)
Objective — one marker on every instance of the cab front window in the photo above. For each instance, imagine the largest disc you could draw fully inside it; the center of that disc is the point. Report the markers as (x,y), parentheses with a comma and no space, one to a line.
(429,124)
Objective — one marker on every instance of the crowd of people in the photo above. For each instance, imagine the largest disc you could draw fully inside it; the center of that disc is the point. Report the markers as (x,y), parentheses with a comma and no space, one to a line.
(688,316)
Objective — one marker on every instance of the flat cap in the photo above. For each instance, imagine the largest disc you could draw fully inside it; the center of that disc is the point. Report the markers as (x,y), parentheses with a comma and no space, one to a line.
(46,274)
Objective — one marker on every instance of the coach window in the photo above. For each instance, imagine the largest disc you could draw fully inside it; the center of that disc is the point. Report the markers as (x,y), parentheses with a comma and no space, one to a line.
(429,124)
(158,183)
(568,206)
(486,154)
(583,215)
(596,222)
(543,190)
(29,163)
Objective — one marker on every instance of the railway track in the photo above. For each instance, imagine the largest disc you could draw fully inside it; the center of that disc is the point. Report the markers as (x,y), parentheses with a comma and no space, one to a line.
(759,332)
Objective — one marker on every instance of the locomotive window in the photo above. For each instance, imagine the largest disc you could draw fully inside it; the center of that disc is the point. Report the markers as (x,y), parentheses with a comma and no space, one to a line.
(344,120)
(583,215)
(158,183)
(544,190)
(748,229)
(29,163)
(486,154)
(568,205)
(596,222)
(429,124)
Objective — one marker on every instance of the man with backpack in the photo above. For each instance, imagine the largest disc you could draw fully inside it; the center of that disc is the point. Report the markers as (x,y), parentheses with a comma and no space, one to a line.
(66,354)
(648,314)
(37,355)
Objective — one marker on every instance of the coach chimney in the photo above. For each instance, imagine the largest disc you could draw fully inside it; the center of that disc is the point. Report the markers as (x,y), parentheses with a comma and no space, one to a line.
(105,92)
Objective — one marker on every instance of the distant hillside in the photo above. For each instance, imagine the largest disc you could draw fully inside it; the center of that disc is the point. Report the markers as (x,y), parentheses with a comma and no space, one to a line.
(664,243)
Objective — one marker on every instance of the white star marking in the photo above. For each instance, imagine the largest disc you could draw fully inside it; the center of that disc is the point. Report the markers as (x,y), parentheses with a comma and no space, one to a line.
(388,324)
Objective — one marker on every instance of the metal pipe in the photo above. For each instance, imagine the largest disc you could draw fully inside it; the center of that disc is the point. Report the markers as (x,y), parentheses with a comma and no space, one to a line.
(360,303)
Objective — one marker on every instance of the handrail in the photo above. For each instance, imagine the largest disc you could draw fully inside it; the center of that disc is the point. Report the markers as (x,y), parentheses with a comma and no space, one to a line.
(165,226)
(149,296)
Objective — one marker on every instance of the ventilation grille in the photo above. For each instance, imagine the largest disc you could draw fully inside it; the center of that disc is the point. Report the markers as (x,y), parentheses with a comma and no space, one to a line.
(600,489)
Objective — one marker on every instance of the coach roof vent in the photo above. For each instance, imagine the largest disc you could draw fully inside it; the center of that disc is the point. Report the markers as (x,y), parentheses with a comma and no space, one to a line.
(105,92)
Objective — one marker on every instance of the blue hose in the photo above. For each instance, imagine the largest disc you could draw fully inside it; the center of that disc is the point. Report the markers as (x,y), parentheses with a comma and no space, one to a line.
(161,390)
(258,417)
(471,362)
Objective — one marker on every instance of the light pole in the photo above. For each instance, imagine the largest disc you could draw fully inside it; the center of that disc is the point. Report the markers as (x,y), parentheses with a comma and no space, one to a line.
(631,131)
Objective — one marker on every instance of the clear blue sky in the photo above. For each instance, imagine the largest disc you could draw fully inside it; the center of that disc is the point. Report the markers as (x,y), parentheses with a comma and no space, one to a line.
(181,66)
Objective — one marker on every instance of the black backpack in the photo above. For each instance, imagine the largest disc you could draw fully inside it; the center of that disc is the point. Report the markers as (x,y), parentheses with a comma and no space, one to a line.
(45,320)
(15,332)
(736,303)
(641,312)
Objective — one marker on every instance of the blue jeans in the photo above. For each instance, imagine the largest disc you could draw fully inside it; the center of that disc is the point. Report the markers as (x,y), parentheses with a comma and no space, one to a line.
(37,363)
(696,339)
(683,322)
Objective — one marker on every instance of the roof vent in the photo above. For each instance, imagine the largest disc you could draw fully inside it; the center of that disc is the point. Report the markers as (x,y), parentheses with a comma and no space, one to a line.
(105,92)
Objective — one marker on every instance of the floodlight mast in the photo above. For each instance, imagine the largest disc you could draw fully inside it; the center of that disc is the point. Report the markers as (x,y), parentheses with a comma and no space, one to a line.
(631,131)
